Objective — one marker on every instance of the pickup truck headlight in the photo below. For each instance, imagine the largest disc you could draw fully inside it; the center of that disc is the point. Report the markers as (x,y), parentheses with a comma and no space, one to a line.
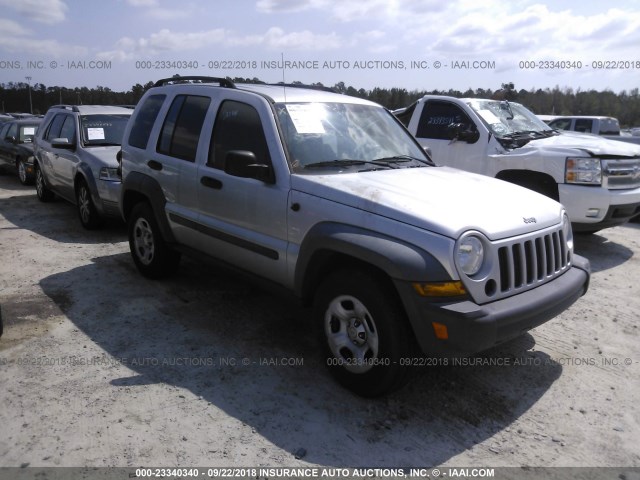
(109,174)
(470,254)
(587,171)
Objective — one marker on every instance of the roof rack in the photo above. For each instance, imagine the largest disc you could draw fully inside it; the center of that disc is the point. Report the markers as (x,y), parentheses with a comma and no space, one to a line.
(302,85)
(73,108)
(223,82)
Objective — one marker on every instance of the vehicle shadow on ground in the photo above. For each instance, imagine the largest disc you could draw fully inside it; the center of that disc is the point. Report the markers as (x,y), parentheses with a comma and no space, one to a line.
(57,220)
(226,341)
(601,251)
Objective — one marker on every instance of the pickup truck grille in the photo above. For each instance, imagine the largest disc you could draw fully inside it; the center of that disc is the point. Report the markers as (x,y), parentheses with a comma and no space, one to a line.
(621,173)
(528,262)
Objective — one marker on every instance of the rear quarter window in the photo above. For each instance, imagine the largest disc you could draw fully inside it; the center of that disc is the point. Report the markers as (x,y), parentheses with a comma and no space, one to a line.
(144,121)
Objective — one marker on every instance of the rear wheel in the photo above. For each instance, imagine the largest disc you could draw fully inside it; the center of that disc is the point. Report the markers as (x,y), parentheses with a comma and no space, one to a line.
(365,332)
(89,216)
(153,257)
(44,194)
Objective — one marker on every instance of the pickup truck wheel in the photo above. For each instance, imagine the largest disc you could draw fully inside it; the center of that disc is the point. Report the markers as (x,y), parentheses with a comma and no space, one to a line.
(23,176)
(153,257)
(365,332)
(89,216)
(44,194)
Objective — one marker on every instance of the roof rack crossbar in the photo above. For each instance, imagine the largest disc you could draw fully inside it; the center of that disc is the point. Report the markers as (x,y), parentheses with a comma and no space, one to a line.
(302,85)
(224,82)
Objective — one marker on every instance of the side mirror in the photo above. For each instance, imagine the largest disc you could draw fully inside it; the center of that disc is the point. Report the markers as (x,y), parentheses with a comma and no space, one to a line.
(119,160)
(62,143)
(462,132)
(243,163)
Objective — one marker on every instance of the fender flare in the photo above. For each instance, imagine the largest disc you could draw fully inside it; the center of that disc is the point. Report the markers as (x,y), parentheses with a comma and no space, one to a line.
(396,258)
(137,186)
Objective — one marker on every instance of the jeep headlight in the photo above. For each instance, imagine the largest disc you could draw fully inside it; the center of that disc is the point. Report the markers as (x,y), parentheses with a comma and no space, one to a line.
(567,234)
(470,253)
(587,171)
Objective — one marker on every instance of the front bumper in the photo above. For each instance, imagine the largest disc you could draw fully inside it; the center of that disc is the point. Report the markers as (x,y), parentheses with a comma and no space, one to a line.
(592,207)
(473,328)
(109,193)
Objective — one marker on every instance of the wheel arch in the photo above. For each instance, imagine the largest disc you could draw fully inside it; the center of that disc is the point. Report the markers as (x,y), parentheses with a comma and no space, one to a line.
(533,180)
(331,246)
(136,188)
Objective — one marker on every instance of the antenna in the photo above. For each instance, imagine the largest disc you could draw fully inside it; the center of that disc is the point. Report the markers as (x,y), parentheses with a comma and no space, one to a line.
(284,87)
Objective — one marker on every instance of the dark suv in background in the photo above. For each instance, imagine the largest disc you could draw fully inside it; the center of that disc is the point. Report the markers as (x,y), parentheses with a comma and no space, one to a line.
(16,147)
(75,158)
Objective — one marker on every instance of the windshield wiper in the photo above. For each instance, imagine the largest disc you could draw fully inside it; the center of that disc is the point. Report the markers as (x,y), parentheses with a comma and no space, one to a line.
(342,162)
(401,159)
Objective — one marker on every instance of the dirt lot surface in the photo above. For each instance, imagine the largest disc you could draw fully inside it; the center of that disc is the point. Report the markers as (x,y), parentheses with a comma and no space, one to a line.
(101,367)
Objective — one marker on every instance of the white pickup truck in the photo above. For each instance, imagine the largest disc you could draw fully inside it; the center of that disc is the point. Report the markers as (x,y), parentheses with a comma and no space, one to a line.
(598,180)
(608,127)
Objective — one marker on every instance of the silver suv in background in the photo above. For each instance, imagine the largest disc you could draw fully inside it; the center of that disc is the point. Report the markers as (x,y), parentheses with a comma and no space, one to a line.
(330,198)
(75,158)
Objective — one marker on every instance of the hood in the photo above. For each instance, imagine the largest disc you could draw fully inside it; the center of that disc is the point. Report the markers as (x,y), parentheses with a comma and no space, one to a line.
(594,145)
(105,155)
(439,199)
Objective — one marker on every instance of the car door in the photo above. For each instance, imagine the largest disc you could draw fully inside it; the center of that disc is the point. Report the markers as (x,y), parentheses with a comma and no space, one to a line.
(65,161)
(243,220)
(50,156)
(434,131)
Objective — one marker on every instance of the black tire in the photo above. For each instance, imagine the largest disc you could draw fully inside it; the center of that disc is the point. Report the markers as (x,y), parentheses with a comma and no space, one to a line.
(44,194)
(87,212)
(153,257)
(23,176)
(364,349)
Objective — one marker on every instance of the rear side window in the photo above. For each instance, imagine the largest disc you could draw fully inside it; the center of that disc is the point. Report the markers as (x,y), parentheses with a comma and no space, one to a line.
(584,125)
(181,129)
(143,124)
(237,127)
(436,118)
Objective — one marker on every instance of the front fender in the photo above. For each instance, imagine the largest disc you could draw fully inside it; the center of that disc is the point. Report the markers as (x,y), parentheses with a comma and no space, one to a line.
(397,258)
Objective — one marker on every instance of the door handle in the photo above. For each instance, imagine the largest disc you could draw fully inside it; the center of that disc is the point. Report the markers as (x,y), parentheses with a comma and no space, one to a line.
(153,165)
(211,183)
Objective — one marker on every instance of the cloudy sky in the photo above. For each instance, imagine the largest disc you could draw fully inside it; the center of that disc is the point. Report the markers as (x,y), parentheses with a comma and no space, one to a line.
(413,44)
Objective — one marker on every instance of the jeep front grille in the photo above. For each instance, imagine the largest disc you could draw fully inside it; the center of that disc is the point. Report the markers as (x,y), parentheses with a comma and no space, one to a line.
(517,264)
(525,263)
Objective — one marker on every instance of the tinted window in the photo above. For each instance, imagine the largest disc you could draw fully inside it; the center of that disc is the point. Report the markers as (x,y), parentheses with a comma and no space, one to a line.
(55,126)
(584,125)
(561,124)
(3,131)
(145,118)
(68,129)
(436,118)
(13,130)
(182,127)
(237,127)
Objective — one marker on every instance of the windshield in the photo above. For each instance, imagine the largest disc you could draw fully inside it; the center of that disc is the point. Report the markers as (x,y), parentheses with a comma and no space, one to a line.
(27,132)
(343,136)
(507,118)
(102,130)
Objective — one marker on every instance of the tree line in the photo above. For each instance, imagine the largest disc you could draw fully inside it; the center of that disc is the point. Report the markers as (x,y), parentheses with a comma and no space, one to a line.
(20,97)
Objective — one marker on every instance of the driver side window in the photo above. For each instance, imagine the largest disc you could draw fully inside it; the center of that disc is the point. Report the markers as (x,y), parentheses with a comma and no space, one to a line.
(436,118)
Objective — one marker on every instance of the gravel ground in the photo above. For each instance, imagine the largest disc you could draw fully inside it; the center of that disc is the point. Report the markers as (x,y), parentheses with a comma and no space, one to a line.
(101,367)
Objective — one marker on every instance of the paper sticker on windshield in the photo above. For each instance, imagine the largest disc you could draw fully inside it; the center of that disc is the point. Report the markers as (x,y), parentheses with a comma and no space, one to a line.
(95,133)
(489,117)
(307,118)
(29,131)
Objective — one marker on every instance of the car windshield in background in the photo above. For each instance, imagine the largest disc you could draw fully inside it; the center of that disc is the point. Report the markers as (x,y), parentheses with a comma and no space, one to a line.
(506,119)
(344,136)
(27,132)
(102,130)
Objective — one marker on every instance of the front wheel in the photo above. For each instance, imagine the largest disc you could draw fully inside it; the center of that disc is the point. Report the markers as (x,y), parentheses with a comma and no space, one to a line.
(89,216)
(23,176)
(153,257)
(365,332)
